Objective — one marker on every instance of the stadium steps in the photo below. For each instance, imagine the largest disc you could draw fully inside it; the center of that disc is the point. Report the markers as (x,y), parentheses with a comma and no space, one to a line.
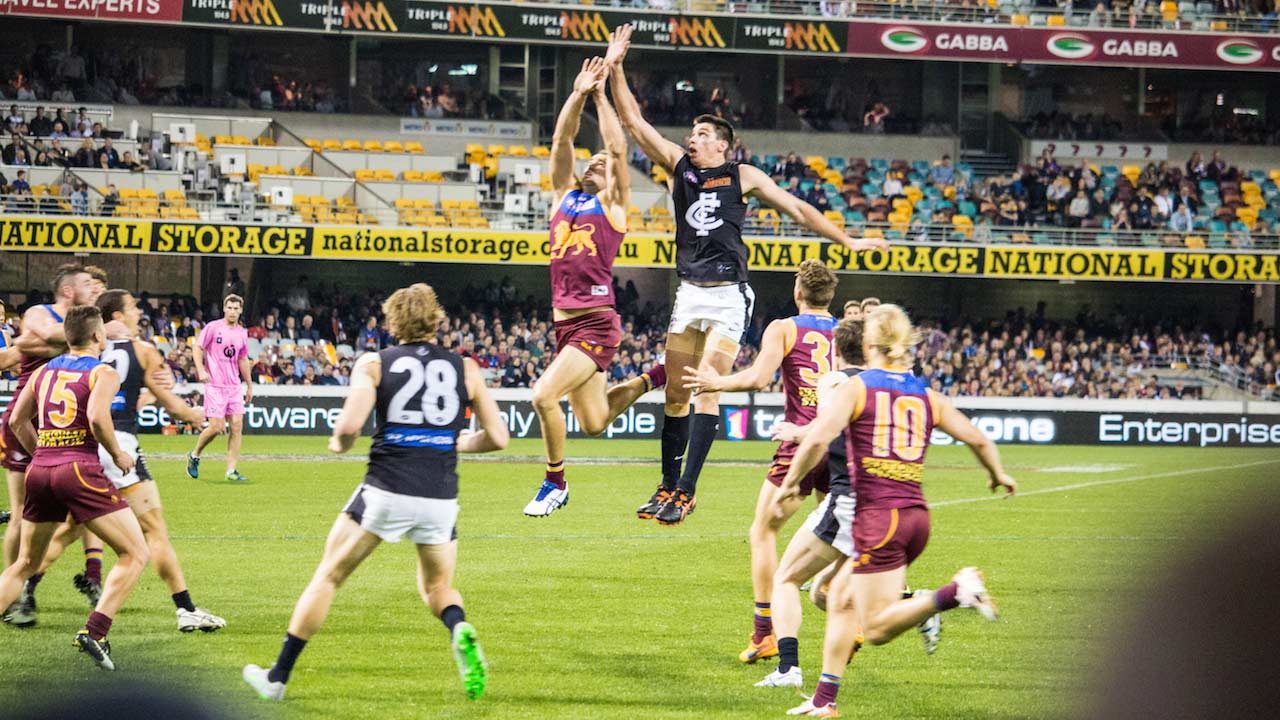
(986,164)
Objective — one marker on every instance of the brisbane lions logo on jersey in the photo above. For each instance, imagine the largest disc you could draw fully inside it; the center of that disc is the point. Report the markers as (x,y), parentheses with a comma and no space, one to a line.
(579,240)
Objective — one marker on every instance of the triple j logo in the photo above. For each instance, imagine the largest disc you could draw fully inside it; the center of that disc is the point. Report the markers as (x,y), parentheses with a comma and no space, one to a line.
(904,40)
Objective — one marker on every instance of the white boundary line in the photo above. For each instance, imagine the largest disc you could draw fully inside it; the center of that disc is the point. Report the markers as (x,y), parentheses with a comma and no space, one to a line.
(1096,483)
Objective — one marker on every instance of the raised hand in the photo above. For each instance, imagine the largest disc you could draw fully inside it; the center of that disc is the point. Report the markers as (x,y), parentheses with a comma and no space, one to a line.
(866,243)
(619,42)
(591,76)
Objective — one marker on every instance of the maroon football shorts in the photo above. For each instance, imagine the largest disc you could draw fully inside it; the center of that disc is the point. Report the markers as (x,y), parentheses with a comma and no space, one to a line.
(888,538)
(77,488)
(597,334)
(12,456)
(817,479)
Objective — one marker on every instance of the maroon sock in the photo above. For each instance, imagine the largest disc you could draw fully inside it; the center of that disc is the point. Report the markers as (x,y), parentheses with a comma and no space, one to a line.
(828,688)
(763,622)
(93,564)
(98,625)
(657,376)
(944,598)
(555,474)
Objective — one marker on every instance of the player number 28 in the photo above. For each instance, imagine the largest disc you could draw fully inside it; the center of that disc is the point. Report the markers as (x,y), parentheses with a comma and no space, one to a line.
(907,413)
(438,382)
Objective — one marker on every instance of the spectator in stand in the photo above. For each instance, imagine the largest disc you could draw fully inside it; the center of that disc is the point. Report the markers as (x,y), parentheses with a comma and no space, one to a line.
(128,163)
(10,151)
(308,331)
(40,126)
(290,331)
(1078,210)
(80,199)
(370,335)
(14,121)
(943,173)
(234,285)
(86,156)
(107,155)
(739,152)
(109,202)
(1196,168)
(873,119)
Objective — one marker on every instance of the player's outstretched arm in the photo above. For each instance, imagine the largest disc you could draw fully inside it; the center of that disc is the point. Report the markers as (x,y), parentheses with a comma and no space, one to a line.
(493,434)
(105,383)
(42,336)
(660,150)
(835,412)
(23,414)
(778,339)
(365,377)
(615,144)
(791,432)
(149,358)
(954,423)
(756,182)
(567,122)
(10,356)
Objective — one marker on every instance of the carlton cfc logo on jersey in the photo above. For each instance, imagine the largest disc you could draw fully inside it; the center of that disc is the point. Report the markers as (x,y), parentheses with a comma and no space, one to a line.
(701,215)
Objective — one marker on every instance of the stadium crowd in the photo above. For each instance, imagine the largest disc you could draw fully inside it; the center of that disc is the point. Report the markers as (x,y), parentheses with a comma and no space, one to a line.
(311,337)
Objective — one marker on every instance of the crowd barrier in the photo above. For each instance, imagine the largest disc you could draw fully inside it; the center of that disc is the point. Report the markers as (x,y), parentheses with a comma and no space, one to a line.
(296,410)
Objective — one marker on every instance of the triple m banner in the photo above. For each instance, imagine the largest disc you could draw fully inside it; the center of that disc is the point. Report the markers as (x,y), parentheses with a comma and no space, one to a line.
(574,23)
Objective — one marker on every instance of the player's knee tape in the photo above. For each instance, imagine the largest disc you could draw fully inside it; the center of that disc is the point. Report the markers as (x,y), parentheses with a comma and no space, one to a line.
(724,346)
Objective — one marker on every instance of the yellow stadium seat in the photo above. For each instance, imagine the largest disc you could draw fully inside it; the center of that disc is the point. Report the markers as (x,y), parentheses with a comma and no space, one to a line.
(239,140)
(817,162)
(1169,11)
(834,217)
(275,170)
(413,146)
(302,171)
(128,194)
(313,144)
(372,146)
(582,153)
(1056,21)
(352,145)
(497,150)
(1018,19)
(331,144)
(433,176)
(392,146)
(1194,242)
(364,174)
(403,203)
(412,175)
(423,204)
(265,141)
(518,151)
(541,151)
(343,201)
(383,175)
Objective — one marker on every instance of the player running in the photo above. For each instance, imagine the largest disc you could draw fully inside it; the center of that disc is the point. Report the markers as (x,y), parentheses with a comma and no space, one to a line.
(70,399)
(887,415)
(42,338)
(714,302)
(136,363)
(422,393)
(221,356)
(586,230)
(802,347)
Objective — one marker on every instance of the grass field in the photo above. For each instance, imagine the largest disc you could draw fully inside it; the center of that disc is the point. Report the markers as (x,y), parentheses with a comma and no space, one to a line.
(593,614)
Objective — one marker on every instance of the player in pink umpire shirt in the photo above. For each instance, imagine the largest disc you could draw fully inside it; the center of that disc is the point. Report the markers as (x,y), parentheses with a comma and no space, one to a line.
(222,359)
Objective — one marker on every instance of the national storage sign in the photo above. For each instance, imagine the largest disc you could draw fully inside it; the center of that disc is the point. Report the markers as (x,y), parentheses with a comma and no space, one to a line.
(457,245)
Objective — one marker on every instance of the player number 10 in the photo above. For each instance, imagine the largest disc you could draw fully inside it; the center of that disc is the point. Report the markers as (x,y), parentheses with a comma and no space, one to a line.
(901,418)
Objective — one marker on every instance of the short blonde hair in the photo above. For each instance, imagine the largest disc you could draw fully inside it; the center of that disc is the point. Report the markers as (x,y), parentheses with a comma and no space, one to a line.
(413,313)
(888,330)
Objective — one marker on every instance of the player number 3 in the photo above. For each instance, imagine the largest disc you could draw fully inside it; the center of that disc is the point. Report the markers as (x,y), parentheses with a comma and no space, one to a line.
(440,402)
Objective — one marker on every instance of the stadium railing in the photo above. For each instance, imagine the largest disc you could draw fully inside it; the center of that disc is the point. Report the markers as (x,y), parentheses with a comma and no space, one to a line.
(1168,15)
(1233,376)
(483,218)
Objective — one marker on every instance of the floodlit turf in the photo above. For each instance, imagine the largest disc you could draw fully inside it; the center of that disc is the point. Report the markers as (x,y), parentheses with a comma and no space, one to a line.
(593,614)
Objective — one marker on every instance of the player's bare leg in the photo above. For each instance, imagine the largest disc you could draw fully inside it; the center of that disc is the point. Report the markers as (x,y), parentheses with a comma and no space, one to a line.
(212,430)
(144,499)
(569,370)
(886,614)
(120,530)
(683,349)
(717,355)
(23,613)
(764,564)
(345,548)
(841,640)
(435,584)
(235,437)
(32,544)
(17,482)
(805,557)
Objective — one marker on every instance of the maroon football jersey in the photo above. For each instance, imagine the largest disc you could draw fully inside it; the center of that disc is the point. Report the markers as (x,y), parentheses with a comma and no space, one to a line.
(810,358)
(28,364)
(887,442)
(62,419)
(584,243)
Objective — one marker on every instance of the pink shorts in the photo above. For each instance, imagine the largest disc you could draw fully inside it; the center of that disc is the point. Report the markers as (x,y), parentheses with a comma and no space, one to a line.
(223,402)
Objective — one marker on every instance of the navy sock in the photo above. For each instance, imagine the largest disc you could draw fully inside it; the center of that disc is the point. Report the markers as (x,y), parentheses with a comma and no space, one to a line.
(289,653)
(33,581)
(451,616)
(183,601)
(788,653)
(675,437)
(702,432)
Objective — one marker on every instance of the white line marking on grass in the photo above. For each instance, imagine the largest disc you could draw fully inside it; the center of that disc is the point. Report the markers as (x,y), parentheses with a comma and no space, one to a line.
(1097,483)
(1084,469)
